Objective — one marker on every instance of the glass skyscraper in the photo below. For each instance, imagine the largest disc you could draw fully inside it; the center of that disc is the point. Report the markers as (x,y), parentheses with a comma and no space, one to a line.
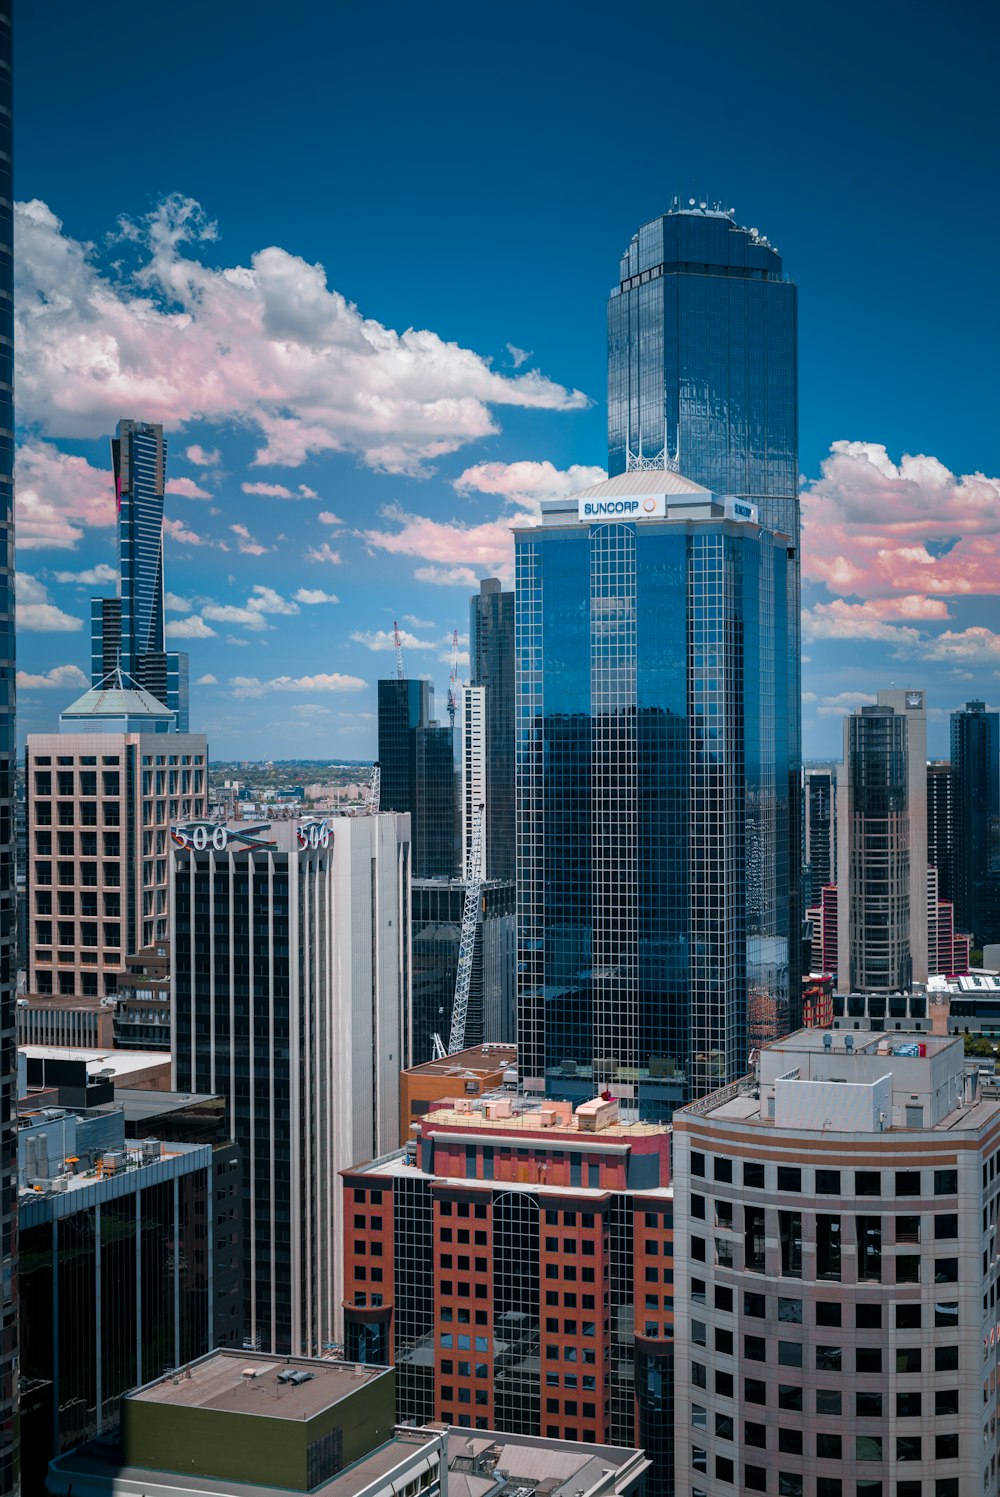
(975,768)
(417,771)
(703,380)
(8,752)
(129,630)
(654,869)
(491,653)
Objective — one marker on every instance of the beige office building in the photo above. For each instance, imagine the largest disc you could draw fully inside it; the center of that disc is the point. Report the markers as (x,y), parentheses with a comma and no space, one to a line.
(102,794)
(837,1326)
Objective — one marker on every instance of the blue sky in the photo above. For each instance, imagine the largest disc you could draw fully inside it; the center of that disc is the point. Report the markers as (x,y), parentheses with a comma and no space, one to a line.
(362,257)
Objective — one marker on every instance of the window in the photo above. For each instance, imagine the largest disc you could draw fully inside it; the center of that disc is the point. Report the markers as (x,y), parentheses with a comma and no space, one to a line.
(699,1377)
(828,1401)
(699,1416)
(724,1384)
(907,1182)
(754,1390)
(753,1176)
(829,1486)
(697,1208)
(908,1268)
(828,1447)
(868,1359)
(723,1298)
(723,1427)
(828,1182)
(945,1225)
(946,1313)
(755,1305)
(908,1447)
(698,1164)
(755,1435)
(907,1229)
(755,1478)
(945,1182)
(790,1234)
(790,1398)
(868,1317)
(790,1441)
(868,1405)
(908,1315)
(753,1239)
(724,1468)
(946,1270)
(724,1171)
(908,1405)
(699,1333)
(755,1348)
(946,1447)
(790,1311)
(827,1313)
(868,1447)
(828,1359)
(789,1484)
(869,1229)
(908,1359)
(867,1183)
(828,1247)
(789,1178)
(789,1354)
(946,1359)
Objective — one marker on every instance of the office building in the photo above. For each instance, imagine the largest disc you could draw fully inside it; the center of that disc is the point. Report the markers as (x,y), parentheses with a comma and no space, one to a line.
(703,380)
(975,767)
(941,824)
(438,906)
(947,948)
(475,802)
(820,798)
(491,654)
(472,1072)
(8,761)
(514,1265)
(882,921)
(102,793)
(142,1004)
(296,1016)
(652,698)
(840,1274)
(70,1022)
(127,632)
(823,918)
(417,773)
(127,1269)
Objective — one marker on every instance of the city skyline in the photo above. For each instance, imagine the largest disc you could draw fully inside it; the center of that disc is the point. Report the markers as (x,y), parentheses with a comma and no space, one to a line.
(502,395)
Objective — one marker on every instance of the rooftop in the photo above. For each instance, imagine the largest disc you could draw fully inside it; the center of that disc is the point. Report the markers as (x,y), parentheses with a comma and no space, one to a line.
(515,1114)
(475,1060)
(114,698)
(241,1382)
(111,1065)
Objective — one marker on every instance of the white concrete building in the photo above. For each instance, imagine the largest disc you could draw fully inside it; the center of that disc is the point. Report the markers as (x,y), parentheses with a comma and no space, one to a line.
(290,987)
(837,1326)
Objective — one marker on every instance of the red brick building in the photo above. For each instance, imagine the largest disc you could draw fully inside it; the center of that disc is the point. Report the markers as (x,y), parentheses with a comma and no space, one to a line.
(515,1264)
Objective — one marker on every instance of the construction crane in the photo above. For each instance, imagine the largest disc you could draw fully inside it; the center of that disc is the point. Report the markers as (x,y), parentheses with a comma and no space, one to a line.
(374,787)
(467,944)
(398,647)
(453,681)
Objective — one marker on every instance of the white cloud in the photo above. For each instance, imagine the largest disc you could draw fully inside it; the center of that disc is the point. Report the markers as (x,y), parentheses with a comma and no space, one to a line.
(448,576)
(325,552)
(185,488)
(267,600)
(384,640)
(231,613)
(247,544)
(90,576)
(526,484)
(270,343)
(329,518)
(58,496)
(315,595)
(192,628)
(518,356)
(252,686)
(62,676)
(203,457)
(173,603)
(845,702)
(268,490)
(234,639)
(410,618)
(207,680)
(185,536)
(36,614)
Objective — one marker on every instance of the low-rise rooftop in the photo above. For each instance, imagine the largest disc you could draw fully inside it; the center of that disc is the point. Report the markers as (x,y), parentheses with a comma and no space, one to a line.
(476,1060)
(515,1114)
(254,1383)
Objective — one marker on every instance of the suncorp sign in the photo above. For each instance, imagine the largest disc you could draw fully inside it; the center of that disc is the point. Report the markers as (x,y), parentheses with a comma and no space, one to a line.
(636,507)
(739,509)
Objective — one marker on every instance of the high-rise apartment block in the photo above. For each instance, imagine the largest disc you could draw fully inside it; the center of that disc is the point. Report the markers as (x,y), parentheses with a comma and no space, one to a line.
(653,698)
(515,1265)
(102,793)
(475,777)
(417,770)
(820,800)
(290,987)
(882,864)
(8,761)
(491,654)
(127,632)
(838,1272)
(975,767)
(941,824)
(703,380)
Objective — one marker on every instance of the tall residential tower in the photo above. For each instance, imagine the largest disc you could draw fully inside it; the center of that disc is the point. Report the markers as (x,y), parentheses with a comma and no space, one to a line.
(975,768)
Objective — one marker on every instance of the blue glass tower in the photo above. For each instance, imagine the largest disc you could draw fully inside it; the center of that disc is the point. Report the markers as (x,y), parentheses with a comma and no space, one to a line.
(654,870)
(129,630)
(8,751)
(703,379)
(975,772)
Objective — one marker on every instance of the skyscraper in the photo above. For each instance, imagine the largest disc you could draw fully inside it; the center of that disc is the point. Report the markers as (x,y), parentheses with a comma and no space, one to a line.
(416,755)
(821,828)
(941,824)
(654,868)
(882,921)
(297,1018)
(491,652)
(8,751)
(703,380)
(129,630)
(975,767)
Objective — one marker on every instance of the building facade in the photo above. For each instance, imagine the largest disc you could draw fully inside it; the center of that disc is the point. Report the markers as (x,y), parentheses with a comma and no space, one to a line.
(882,923)
(703,380)
(840,1275)
(289,989)
(652,675)
(417,773)
(491,654)
(8,763)
(820,801)
(102,794)
(475,779)
(127,632)
(496,1265)
(975,767)
(941,824)
(438,906)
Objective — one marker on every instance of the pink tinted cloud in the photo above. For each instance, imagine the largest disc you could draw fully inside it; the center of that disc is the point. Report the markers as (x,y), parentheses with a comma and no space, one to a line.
(186,488)
(871,527)
(58,496)
(527,483)
(270,343)
(489,544)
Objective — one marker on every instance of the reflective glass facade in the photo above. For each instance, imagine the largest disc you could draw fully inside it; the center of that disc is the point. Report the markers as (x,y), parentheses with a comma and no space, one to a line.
(875,915)
(975,767)
(703,378)
(491,651)
(417,771)
(654,870)
(8,750)
(437,930)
